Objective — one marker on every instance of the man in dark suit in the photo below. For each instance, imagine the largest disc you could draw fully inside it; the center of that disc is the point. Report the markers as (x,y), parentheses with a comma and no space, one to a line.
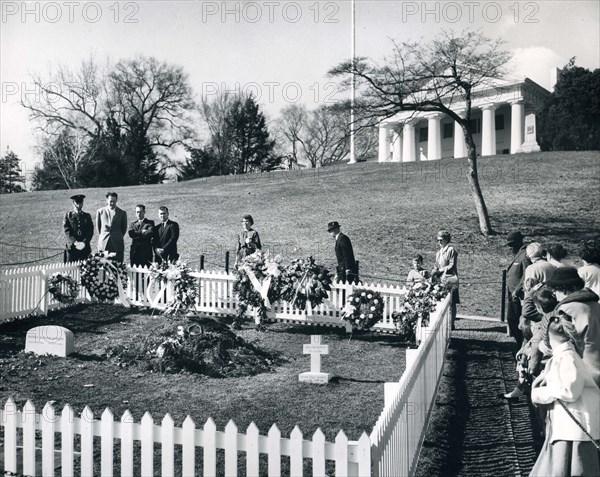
(514,280)
(347,270)
(166,234)
(79,230)
(112,227)
(141,231)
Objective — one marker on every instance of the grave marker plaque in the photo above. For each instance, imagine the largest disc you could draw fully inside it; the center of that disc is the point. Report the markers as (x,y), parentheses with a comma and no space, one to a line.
(54,340)
(315,349)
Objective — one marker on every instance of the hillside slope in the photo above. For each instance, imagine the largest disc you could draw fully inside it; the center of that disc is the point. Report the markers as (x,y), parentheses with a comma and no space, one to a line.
(390,211)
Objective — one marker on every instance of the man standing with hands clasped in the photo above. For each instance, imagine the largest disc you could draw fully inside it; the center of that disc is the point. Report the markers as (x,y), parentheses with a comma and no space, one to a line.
(141,231)
(166,234)
(347,269)
(112,227)
(79,229)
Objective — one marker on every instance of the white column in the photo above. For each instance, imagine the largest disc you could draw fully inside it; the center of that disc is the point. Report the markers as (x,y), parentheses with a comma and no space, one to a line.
(384,144)
(488,130)
(434,137)
(408,143)
(396,145)
(460,146)
(517,115)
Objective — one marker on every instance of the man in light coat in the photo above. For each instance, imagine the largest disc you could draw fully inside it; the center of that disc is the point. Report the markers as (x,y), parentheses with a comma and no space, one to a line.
(111,223)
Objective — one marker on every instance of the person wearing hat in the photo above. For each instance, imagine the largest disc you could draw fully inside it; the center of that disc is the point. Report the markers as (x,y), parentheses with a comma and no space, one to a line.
(581,305)
(79,230)
(347,270)
(112,227)
(248,240)
(514,280)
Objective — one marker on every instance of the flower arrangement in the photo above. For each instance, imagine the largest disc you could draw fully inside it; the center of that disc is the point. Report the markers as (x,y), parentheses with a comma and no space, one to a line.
(104,277)
(416,307)
(306,283)
(178,273)
(258,282)
(363,309)
(57,283)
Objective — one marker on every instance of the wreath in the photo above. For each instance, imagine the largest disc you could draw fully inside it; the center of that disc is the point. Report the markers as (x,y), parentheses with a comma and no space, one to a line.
(306,283)
(363,309)
(59,282)
(184,284)
(104,277)
(259,280)
(416,305)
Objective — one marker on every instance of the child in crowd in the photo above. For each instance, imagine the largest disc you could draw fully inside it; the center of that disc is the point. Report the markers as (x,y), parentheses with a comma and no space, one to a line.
(573,419)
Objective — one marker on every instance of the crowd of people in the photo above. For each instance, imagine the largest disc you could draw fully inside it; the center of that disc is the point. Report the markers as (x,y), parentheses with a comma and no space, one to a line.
(554,316)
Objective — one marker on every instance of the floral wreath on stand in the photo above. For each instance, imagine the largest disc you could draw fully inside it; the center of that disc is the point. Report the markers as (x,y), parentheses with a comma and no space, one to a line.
(363,309)
(416,307)
(258,283)
(178,273)
(306,284)
(104,277)
(57,282)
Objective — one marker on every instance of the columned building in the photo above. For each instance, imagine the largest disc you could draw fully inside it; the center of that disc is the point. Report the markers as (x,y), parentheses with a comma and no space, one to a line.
(502,121)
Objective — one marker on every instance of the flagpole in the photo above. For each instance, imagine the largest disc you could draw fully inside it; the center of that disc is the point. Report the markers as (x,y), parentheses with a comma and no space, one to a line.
(353,90)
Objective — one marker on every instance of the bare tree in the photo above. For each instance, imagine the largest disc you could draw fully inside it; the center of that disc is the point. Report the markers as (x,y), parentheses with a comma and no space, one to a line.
(68,100)
(293,119)
(153,99)
(318,137)
(434,76)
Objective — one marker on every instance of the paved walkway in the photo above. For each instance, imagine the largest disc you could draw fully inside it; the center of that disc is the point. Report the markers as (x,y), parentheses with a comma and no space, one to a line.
(474,432)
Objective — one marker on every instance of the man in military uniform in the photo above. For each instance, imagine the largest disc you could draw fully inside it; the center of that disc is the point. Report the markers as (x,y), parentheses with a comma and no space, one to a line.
(79,229)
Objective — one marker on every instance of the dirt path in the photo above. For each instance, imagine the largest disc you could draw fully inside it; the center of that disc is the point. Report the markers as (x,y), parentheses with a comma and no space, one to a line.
(474,432)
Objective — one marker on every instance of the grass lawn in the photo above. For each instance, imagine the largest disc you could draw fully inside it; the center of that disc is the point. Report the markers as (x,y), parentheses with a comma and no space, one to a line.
(352,401)
(390,211)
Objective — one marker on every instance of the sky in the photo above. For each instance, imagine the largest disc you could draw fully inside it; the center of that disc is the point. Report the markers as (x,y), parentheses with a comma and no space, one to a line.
(280,51)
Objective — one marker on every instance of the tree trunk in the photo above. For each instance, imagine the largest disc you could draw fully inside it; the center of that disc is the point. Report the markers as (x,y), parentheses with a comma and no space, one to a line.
(482,213)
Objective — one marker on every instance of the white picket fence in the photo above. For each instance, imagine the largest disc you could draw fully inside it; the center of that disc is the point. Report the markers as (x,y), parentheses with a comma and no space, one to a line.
(392,449)
(24,289)
(79,451)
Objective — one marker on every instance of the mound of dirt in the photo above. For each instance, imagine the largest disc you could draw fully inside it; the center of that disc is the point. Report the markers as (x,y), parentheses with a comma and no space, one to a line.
(200,345)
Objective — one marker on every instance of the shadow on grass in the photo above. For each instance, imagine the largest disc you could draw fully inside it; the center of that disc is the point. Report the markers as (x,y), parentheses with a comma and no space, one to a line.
(341,380)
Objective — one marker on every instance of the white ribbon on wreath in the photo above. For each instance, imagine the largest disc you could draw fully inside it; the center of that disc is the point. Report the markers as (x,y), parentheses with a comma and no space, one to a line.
(109,267)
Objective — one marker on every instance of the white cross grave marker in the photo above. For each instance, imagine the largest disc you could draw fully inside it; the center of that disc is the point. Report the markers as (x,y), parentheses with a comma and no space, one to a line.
(315,349)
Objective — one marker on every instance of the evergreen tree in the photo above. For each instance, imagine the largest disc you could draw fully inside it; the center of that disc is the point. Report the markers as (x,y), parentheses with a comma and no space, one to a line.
(250,145)
(202,162)
(10,174)
(142,161)
(570,117)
